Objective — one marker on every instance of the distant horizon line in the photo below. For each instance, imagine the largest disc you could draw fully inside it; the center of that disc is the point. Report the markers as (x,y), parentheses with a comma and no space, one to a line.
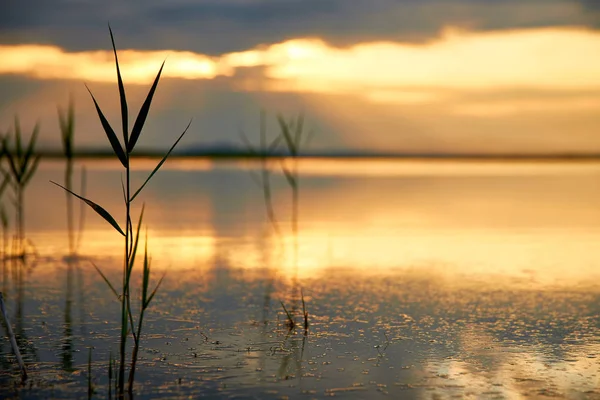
(216,153)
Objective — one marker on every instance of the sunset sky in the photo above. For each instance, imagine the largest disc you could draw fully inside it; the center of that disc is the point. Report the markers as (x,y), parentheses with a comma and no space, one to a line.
(429,76)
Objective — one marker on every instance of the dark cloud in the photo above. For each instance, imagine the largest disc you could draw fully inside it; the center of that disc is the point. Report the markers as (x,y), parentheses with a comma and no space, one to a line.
(212,26)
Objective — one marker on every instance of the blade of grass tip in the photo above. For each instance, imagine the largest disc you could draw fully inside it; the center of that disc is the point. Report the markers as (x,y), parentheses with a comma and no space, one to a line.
(141,118)
(122,96)
(286,134)
(30,147)
(110,133)
(31,170)
(66,130)
(101,211)
(161,162)
(112,288)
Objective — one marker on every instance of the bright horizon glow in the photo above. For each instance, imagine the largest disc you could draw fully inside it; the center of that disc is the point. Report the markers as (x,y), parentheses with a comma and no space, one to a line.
(563,59)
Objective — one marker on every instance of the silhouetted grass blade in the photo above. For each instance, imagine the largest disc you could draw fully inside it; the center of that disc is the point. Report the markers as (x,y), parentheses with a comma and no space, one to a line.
(149,300)
(288,175)
(287,134)
(161,162)
(141,118)
(29,150)
(11,160)
(67,124)
(112,288)
(137,237)
(5,182)
(122,96)
(28,174)
(110,133)
(101,211)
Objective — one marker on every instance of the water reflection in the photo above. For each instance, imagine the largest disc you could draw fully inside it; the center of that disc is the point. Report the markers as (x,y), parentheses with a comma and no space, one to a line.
(417,285)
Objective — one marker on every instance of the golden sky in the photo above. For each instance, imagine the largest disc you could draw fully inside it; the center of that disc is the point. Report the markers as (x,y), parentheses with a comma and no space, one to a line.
(468,79)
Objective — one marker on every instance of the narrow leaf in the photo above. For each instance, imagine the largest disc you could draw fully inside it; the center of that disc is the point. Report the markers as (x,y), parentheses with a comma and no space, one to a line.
(123,189)
(101,211)
(161,162)
(154,291)
(287,134)
(5,182)
(141,118)
(29,151)
(11,160)
(137,237)
(112,288)
(122,96)
(66,129)
(3,217)
(290,178)
(27,175)
(110,133)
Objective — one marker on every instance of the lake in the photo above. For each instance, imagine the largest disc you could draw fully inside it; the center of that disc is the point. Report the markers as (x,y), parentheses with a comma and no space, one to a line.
(421,279)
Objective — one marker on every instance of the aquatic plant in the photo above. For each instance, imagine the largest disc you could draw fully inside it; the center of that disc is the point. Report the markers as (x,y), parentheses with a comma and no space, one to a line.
(66,119)
(264,152)
(291,323)
(23,163)
(12,339)
(123,153)
(293,131)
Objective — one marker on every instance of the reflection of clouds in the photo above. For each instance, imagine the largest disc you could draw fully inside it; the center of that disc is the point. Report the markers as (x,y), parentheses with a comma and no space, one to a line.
(487,366)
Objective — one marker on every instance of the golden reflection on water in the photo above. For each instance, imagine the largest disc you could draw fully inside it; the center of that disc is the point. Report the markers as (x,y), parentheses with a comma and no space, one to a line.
(510,223)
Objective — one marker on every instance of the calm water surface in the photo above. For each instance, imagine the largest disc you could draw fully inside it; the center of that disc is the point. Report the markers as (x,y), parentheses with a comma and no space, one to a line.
(422,280)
